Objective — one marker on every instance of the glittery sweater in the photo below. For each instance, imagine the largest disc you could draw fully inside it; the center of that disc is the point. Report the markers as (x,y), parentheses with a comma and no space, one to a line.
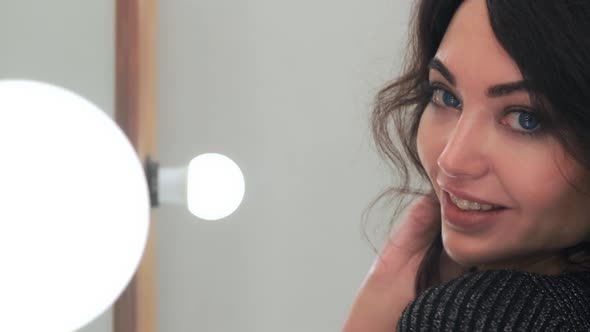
(502,300)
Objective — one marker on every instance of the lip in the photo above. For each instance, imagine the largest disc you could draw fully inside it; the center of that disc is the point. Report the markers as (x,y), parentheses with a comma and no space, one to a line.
(467,196)
(469,221)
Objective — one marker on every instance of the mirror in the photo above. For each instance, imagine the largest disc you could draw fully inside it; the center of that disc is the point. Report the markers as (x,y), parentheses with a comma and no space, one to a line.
(284,89)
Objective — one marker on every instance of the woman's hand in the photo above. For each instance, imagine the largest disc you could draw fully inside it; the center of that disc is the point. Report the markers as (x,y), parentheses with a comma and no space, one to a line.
(389,286)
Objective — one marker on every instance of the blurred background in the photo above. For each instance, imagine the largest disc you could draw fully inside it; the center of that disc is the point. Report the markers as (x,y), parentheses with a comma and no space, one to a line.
(285,89)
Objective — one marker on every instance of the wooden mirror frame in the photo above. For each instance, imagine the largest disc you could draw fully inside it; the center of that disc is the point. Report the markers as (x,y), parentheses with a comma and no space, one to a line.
(135,112)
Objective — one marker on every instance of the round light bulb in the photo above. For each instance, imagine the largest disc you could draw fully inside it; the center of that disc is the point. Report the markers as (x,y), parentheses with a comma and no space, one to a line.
(74,209)
(215,186)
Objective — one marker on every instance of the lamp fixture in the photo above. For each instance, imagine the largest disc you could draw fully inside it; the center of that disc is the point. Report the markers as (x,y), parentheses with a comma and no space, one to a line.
(75,206)
(211,187)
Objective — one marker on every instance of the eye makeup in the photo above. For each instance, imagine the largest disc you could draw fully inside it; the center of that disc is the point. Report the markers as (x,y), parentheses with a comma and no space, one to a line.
(522,120)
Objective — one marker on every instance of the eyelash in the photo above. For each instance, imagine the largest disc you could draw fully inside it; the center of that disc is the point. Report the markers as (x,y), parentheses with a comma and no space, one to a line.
(434,88)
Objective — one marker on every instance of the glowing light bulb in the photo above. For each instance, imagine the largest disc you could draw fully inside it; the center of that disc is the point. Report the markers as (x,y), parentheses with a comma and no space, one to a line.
(211,187)
(215,186)
(74,209)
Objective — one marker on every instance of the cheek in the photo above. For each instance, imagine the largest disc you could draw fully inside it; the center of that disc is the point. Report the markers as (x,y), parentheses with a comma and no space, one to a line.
(550,214)
(544,181)
(554,212)
(430,140)
(420,145)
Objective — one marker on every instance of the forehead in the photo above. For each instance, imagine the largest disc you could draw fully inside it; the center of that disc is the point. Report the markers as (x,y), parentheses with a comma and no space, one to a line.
(471,51)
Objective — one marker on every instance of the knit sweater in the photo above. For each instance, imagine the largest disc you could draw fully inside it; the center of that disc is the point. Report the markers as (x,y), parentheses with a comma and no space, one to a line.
(502,300)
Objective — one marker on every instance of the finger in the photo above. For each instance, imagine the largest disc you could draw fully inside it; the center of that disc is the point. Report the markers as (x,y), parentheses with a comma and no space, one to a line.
(418,226)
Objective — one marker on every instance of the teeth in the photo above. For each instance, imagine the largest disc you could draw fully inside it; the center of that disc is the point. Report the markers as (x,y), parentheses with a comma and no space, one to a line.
(468,205)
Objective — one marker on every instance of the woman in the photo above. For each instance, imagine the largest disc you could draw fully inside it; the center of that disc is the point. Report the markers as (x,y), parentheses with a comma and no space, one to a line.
(493,111)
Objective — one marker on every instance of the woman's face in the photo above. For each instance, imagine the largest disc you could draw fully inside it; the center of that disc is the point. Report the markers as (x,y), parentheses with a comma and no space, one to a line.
(480,140)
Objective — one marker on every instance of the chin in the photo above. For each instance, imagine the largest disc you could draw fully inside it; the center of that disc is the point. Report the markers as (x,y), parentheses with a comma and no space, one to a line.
(462,258)
(494,258)
(475,251)
(469,256)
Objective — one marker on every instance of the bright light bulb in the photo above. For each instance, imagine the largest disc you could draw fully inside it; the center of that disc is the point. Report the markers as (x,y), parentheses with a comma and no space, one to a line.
(74,209)
(215,186)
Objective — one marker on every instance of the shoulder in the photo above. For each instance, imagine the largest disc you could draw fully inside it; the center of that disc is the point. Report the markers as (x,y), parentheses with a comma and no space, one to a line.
(502,299)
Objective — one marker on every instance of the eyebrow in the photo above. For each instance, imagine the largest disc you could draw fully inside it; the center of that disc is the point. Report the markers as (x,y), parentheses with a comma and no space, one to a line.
(437,65)
(497,90)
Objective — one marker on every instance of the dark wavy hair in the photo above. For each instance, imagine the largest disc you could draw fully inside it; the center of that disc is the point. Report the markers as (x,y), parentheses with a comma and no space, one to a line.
(550,42)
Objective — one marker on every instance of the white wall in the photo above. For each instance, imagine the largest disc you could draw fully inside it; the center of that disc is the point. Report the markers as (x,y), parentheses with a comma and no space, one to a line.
(65,42)
(284,88)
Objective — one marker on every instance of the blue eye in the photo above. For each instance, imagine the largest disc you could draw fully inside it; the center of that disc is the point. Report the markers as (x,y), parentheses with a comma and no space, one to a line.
(523,121)
(443,98)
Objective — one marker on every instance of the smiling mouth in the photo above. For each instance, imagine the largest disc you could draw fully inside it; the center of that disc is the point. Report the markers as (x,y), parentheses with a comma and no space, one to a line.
(467,205)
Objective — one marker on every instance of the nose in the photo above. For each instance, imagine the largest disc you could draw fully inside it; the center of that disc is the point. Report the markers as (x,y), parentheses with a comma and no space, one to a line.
(465,153)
